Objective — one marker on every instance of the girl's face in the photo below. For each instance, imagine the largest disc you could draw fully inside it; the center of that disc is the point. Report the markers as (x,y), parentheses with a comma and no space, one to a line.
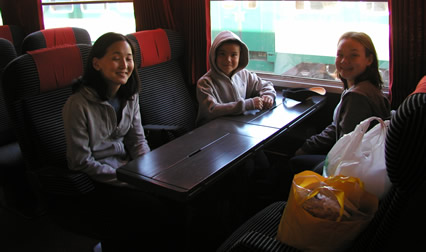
(228,57)
(116,66)
(351,60)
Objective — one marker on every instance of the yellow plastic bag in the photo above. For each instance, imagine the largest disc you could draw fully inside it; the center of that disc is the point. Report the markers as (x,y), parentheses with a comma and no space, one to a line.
(325,214)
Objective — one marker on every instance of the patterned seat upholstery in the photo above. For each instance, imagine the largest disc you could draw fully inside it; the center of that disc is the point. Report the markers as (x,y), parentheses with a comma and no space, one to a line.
(7,54)
(36,86)
(165,99)
(12,167)
(14,34)
(49,38)
(399,218)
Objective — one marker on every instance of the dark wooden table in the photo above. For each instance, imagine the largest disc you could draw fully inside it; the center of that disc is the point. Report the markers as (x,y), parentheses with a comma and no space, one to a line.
(187,165)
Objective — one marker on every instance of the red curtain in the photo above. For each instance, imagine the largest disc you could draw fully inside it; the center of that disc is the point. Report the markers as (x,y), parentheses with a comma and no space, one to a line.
(153,14)
(189,17)
(22,13)
(407,47)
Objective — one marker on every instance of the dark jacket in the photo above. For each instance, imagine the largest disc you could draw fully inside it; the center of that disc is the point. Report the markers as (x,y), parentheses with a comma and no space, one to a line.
(356,104)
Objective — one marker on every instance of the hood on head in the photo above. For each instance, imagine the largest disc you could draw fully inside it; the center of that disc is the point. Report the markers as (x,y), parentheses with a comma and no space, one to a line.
(218,41)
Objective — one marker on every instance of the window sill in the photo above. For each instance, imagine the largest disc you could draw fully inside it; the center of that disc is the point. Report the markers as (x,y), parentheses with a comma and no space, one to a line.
(297,82)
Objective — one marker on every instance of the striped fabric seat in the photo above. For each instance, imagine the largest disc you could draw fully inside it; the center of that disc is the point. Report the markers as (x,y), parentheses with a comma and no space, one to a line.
(13,33)
(36,87)
(53,37)
(165,98)
(399,221)
(7,54)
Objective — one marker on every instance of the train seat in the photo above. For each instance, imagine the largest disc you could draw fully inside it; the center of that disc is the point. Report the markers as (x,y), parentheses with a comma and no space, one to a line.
(7,54)
(11,161)
(14,34)
(400,215)
(167,108)
(36,87)
(55,37)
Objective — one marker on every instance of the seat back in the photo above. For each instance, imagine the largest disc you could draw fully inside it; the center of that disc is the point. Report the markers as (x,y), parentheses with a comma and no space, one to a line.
(36,86)
(164,96)
(14,34)
(397,222)
(400,214)
(49,38)
(7,54)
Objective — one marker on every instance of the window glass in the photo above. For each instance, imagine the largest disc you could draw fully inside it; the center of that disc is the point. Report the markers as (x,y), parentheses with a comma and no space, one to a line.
(97,17)
(299,38)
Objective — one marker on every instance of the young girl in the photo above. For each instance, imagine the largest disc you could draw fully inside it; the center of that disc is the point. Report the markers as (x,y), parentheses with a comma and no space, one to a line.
(227,88)
(357,67)
(102,120)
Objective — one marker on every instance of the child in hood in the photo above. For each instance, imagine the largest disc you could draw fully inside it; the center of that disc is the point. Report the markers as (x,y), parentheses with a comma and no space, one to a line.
(228,88)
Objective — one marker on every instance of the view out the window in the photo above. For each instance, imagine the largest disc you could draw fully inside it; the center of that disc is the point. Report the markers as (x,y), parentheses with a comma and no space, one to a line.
(299,38)
(96,18)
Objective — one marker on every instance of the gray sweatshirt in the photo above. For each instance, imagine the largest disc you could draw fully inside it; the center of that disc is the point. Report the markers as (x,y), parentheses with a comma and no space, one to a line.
(220,95)
(96,144)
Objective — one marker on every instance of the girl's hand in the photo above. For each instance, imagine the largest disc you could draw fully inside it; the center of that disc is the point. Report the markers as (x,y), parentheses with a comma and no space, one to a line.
(268,101)
(258,103)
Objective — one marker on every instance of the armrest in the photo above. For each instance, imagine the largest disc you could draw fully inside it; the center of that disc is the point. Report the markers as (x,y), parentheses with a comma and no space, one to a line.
(254,241)
(62,181)
(158,135)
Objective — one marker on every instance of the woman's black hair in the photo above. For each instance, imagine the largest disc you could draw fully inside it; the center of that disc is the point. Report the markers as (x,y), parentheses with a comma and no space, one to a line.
(94,79)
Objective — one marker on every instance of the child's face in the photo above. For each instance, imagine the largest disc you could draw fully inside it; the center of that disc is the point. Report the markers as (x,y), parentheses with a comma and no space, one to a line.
(228,57)
(117,64)
(351,60)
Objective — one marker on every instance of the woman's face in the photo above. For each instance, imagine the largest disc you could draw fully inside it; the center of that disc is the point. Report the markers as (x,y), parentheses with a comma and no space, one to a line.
(116,66)
(351,60)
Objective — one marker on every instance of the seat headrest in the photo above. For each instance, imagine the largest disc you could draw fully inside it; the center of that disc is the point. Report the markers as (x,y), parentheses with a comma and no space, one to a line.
(7,53)
(153,46)
(406,142)
(43,70)
(59,36)
(54,37)
(6,33)
(421,86)
(57,67)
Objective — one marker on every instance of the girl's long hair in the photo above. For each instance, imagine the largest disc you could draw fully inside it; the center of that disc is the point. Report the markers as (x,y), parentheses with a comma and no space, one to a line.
(371,73)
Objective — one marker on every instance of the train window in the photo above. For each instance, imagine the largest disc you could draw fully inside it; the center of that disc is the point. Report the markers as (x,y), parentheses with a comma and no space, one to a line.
(96,16)
(299,38)
(1,19)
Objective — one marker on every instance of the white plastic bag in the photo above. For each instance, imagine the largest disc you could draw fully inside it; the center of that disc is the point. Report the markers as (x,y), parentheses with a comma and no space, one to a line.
(362,155)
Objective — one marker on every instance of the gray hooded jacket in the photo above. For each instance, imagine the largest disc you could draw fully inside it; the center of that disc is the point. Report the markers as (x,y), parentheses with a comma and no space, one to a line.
(96,144)
(220,95)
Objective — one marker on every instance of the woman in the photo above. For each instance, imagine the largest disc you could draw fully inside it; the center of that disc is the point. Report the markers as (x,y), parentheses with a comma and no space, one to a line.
(103,131)
(358,68)
(102,119)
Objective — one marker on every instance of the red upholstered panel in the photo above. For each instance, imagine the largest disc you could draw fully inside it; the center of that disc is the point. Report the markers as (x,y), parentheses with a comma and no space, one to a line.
(57,67)
(154,46)
(421,87)
(59,36)
(6,33)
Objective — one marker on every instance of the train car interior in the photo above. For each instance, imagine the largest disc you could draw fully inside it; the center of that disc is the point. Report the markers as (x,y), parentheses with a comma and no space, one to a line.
(228,179)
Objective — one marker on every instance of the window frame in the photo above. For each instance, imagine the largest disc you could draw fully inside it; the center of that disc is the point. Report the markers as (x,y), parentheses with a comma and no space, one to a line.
(83,2)
(332,86)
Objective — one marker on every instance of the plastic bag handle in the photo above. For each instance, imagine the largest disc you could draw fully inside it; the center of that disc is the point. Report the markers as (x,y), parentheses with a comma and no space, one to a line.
(364,125)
